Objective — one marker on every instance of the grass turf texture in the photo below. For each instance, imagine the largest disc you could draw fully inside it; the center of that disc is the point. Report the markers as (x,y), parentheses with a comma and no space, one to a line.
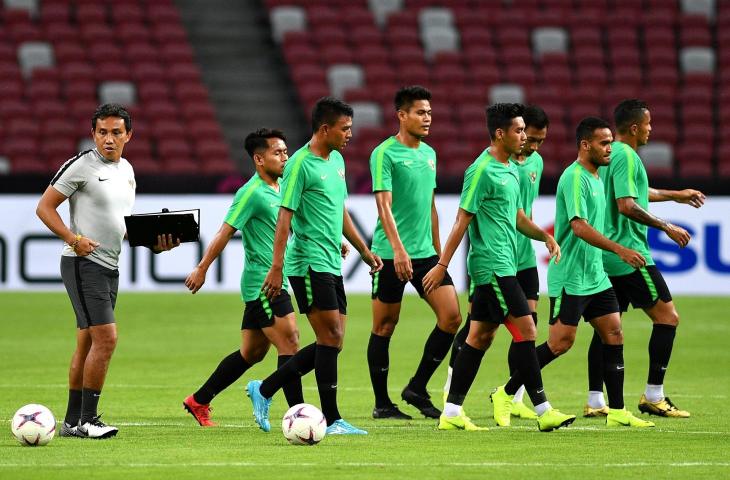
(169,344)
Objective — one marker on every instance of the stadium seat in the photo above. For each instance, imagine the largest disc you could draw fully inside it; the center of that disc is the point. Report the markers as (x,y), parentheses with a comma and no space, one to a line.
(699,7)
(285,19)
(31,6)
(366,114)
(383,8)
(342,77)
(435,17)
(33,55)
(697,59)
(658,158)
(439,39)
(549,40)
(695,160)
(506,93)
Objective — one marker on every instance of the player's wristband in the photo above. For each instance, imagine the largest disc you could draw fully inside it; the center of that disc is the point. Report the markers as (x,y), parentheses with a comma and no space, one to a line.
(439,263)
(76,241)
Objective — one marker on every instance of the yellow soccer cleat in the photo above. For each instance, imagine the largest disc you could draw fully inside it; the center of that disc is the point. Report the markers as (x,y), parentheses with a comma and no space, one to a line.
(553,419)
(462,422)
(520,410)
(590,412)
(623,418)
(502,406)
(662,408)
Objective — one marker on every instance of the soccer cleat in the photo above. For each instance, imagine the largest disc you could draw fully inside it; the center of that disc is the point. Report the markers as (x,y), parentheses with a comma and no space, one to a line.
(461,407)
(341,427)
(623,418)
(553,419)
(391,411)
(502,406)
(260,405)
(590,412)
(422,401)
(662,408)
(200,412)
(462,422)
(95,428)
(520,410)
(67,430)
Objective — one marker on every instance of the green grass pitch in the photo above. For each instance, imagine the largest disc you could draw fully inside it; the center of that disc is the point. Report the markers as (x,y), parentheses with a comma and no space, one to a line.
(169,343)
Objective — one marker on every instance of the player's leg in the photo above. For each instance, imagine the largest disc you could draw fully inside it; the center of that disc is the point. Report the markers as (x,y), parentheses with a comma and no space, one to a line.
(459,340)
(75,383)
(530,283)
(387,293)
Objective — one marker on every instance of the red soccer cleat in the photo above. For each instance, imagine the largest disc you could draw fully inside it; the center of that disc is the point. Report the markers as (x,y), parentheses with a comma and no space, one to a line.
(199,411)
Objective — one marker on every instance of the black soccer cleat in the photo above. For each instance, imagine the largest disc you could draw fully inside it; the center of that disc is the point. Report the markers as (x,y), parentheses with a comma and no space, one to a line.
(391,411)
(422,401)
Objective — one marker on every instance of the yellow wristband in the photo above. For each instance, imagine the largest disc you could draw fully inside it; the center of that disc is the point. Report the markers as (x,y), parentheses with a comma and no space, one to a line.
(76,241)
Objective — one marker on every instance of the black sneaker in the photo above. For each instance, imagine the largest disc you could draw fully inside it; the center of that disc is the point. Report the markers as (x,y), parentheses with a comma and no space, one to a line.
(67,430)
(95,428)
(422,401)
(390,411)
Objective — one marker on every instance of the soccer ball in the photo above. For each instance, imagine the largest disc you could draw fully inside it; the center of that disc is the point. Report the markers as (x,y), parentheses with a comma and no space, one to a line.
(33,425)
(304,424)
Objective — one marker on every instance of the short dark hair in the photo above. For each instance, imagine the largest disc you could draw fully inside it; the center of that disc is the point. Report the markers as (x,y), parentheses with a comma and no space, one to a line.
(535,117)
(328,110)
(628,112)
(258,140)
(500,115)
(112,110)
(586,127)
(405,97)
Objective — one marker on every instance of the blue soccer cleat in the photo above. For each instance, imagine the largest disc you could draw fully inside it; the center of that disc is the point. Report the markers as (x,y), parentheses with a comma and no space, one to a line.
(341,427)
(260,405)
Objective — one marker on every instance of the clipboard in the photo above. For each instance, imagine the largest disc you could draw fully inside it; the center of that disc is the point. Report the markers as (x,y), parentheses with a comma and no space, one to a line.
(143,228)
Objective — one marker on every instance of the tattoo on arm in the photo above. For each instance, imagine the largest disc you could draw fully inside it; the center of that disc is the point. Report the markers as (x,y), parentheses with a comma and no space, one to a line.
(640,215)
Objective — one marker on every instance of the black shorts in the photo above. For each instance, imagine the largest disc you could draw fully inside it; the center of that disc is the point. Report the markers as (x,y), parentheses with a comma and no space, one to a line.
(260,313)
(319,289)
(569,308)
(389,289)
(92,290)
(530,282)
(642,288)
(493,301)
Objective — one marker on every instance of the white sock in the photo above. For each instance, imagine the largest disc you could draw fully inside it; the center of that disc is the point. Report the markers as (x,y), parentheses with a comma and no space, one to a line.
(654,393)
(447,385)
(596,400)
(452,410)
(542,408)
(519,395)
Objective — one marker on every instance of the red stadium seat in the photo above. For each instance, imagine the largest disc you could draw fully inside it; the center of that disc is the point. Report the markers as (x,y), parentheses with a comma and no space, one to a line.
(695,160)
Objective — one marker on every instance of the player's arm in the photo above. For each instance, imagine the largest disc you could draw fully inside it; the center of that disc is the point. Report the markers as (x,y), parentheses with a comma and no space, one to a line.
(691,197)
(432,280)
(435,226)
(275,278)
(401,259)
(47,211)
(353,236)
(585,231)
(196,279)
(531,230)
(628,207)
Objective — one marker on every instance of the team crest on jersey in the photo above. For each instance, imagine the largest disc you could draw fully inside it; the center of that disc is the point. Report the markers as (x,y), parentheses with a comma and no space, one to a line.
(431,164)
(533,177)
(341,171)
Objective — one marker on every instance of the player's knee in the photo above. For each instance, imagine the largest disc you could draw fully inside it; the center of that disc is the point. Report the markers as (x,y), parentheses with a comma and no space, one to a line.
(450,323)
(385,326)
(289,344)
(254,354)
(482,340)
(672,318)
(332,335)
(561,345)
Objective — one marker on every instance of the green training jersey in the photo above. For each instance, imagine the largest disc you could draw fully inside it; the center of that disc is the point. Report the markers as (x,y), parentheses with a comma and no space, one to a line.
(491,192)
(530,172)
(315,190)
(410,175)
(580,270)
(253,213)
(625,176)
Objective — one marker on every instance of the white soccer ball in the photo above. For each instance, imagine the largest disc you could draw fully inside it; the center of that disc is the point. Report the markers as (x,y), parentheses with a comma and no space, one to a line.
(304,424)
(34,425)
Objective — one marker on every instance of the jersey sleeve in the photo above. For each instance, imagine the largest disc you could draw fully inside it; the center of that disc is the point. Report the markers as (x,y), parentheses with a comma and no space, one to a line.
(69,178)
(623,174)
(381,167)
(574,196)
(475,186)
(242,208)
(293,183)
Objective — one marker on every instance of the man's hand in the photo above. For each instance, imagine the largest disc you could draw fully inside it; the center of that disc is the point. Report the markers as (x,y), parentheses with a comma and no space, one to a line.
(691,197)
(680,236)
(403,266)
(273,281)
(373,261)
(432,280)
(344,250)
(632,257)
(553,248)
(165,243)
(196,279)
(84,246)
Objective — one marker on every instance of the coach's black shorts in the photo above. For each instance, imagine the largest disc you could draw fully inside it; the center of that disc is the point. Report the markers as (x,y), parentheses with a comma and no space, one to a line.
(530,282)
(260,313)
(569,308)
(92,290)
(319,289)
(641,288)
(495,300)
(389,289)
